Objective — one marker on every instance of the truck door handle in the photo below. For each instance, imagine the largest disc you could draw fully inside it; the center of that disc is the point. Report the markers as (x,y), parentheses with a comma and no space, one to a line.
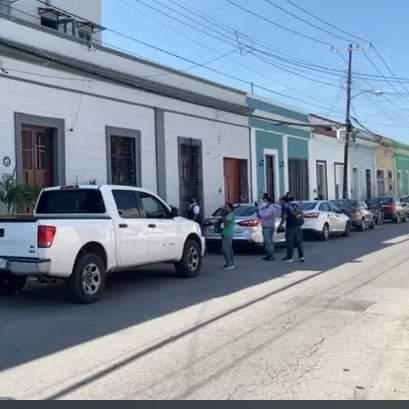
(123,226)
(152,226)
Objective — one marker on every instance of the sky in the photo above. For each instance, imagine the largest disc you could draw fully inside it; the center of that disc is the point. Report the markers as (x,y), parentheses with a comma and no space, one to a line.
(308,74)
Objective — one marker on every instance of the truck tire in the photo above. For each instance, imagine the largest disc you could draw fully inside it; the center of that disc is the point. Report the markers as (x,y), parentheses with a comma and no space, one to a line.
(11,284)
(191,262)
(87,282)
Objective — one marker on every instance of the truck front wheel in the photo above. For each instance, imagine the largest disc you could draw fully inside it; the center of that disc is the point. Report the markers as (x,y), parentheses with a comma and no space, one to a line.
(87,282)
(191,262)
(11,284)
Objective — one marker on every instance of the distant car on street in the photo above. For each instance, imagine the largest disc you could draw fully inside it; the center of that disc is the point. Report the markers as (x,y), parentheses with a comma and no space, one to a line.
(392,208)
(324,219)
(248,229)
(405,204)
(359,213)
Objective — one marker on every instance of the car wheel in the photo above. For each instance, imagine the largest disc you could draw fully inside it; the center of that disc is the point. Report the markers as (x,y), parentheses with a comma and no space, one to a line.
(347,231)
(87,282)
(362,225)
(325,233)
(398,219)
(191,262)
(11,284)
(373,223)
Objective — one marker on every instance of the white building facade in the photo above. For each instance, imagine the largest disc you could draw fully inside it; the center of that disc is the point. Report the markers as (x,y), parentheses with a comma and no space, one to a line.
(73,111)
(326,160)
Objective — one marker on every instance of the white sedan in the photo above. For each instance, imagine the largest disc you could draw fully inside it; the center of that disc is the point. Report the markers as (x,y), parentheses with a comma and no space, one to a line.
(247,230)
(324,219)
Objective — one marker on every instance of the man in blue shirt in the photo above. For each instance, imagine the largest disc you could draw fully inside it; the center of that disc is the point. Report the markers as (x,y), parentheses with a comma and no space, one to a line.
(267,214)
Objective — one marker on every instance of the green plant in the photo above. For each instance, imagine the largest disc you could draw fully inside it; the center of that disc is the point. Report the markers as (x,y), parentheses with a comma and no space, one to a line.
(16,197)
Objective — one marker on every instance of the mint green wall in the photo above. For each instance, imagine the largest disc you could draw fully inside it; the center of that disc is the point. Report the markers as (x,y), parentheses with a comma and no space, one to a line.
(297,149)
(271,136)
(267,140)
(402,165)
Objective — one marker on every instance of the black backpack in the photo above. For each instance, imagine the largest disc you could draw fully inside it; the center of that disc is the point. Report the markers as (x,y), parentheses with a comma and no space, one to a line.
(295,215)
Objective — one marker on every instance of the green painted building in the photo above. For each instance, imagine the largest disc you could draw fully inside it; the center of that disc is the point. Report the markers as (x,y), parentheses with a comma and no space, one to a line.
(280,153)
(402,168)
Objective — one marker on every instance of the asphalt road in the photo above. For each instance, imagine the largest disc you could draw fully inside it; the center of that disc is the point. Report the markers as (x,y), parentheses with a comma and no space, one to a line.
(334,328)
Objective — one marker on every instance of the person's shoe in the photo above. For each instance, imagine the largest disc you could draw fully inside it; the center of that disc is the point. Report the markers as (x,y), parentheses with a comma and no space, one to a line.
(230,268)
(267,258)
(288,260)
(302,260)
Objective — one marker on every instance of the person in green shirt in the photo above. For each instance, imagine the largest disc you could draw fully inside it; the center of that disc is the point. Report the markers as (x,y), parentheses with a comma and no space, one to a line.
(228,224)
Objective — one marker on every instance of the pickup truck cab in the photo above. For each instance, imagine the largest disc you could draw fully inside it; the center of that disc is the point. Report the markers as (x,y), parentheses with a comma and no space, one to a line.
(81,233)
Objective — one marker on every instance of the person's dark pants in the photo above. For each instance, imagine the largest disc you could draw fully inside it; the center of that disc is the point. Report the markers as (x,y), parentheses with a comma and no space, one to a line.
(227,244)
(294,238)
(268,234)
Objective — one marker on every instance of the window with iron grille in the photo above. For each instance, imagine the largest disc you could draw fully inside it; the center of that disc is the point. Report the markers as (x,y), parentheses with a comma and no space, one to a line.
(123,161)
(5,7)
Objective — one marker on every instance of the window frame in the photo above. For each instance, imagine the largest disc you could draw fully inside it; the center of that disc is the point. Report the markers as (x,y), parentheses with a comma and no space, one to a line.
(167,213)
(124,133)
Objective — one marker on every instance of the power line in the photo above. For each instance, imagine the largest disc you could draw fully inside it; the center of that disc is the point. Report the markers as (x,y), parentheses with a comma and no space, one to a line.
(268,20)
(321,20)
(284,10)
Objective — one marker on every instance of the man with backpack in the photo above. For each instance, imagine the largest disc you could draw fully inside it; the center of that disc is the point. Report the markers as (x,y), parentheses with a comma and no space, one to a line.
(293,219)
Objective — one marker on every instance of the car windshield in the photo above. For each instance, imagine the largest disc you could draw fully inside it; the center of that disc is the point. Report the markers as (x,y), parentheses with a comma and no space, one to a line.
(309,206)
(239,211)
(386,200)
(345,204)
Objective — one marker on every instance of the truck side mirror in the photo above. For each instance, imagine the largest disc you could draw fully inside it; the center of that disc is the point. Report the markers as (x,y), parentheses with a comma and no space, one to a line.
(174,212)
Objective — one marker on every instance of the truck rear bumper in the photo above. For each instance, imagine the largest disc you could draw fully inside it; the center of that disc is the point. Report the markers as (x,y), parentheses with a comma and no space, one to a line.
(25,266)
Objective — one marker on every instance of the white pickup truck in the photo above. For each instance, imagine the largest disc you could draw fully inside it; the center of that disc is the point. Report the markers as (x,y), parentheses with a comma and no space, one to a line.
(81,233)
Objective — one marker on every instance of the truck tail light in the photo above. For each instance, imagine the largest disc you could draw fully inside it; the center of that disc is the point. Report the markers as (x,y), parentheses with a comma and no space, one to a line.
(311,216)
(45,236)
(250,223)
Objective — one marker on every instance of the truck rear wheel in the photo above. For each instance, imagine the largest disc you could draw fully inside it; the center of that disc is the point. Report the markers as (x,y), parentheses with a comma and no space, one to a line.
(11,284)
(87,282)
(191,262)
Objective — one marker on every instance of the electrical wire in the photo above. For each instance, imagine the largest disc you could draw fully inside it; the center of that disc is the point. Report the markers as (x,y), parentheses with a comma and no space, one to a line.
(268,20)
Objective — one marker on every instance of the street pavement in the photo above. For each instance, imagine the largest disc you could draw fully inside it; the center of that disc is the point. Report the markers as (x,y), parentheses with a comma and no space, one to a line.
(336,327)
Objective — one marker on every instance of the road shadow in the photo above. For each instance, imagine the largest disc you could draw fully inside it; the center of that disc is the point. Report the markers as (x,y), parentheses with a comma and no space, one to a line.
(41,321)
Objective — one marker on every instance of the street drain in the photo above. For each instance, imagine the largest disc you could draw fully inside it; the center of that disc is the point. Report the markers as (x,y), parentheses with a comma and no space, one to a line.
(333,303)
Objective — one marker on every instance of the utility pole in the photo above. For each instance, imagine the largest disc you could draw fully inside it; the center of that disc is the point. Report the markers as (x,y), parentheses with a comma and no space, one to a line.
(348,124)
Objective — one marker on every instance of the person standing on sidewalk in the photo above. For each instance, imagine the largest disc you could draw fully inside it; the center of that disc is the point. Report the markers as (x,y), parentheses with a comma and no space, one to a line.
(293,218)
(227,232)
(267,213)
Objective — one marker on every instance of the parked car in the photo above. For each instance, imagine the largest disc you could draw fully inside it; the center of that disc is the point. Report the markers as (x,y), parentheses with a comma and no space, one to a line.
(375,206)
(405,204)
(82,233)
(392,208)
(324,219)
(248,229)
(361,217)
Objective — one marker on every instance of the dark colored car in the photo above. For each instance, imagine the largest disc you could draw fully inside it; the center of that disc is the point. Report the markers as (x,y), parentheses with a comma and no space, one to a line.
(392,208)
(359,213)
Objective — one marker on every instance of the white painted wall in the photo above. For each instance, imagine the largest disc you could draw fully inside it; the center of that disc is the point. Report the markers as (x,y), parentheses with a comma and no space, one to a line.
(363,157)
(218,141)
(86,146)
(49,42)
(88,9)
(324,148)
(88,116)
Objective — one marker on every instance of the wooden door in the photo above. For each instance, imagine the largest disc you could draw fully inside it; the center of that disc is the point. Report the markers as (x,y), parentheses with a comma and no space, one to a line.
(37,154)
(232,180)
